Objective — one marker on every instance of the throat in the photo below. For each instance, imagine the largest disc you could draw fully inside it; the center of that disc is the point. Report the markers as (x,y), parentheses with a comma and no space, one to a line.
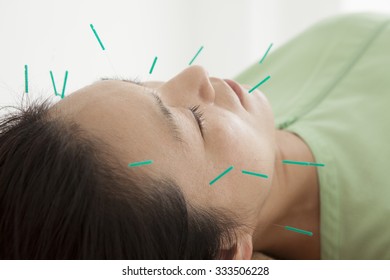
(293,201)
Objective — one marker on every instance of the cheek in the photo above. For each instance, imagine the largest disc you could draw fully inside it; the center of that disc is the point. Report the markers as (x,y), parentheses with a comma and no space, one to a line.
(229,137)
(234,141)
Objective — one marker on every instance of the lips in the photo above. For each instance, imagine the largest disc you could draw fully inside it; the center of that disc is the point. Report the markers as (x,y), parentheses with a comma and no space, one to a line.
(237,89)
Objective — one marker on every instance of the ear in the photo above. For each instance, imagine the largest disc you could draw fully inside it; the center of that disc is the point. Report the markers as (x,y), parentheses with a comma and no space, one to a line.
(244,247)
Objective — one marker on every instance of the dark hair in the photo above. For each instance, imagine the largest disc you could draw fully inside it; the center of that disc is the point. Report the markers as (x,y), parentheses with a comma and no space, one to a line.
(64,196)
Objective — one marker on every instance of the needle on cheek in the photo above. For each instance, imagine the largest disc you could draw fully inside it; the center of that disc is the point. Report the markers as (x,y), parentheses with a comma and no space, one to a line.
(221,175)
(254,174)
(139,163)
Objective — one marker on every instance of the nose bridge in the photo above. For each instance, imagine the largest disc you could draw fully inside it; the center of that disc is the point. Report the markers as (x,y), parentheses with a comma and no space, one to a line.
(197,71)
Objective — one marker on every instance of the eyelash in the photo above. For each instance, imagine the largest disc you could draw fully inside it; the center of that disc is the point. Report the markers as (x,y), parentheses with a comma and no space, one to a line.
(198,116)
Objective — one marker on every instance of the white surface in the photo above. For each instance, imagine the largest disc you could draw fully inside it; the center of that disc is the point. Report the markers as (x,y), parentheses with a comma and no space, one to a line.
(55,35)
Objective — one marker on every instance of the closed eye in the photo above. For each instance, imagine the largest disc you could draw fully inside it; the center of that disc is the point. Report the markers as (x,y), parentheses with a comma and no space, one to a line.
(199,118)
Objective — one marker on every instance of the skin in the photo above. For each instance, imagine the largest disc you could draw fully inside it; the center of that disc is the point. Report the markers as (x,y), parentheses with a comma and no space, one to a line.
(239,134)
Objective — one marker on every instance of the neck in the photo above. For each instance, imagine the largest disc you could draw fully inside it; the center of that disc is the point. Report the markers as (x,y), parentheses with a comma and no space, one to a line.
(293,201)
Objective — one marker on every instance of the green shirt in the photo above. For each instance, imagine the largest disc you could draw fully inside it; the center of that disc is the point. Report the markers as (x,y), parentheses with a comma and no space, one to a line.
(331,86)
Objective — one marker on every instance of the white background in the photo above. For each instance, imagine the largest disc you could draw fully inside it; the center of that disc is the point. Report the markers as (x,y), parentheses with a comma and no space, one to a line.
(55,35)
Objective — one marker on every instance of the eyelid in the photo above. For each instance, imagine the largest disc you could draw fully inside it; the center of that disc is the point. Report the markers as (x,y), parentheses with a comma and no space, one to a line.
(198,115)
(168,113)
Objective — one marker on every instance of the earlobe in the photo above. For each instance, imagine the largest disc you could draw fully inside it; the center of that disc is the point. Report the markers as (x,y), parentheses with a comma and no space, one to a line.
(244,248)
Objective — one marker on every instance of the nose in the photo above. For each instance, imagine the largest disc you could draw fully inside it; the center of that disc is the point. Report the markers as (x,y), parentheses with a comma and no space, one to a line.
(192,84)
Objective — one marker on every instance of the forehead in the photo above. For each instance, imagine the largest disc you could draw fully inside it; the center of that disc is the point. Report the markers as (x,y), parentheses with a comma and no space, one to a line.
(120,113)
(100,94)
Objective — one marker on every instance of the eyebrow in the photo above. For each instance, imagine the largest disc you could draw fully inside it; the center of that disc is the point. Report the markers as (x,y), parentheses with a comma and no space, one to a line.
(168,116)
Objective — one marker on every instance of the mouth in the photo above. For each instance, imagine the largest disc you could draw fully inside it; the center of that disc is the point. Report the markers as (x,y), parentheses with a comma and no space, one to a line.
(237,89)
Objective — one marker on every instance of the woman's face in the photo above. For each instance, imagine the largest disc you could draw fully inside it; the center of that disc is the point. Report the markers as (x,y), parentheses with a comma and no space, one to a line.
(238,132)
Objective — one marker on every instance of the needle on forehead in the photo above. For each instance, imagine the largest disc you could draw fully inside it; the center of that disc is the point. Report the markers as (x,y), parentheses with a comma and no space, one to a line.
(97,37)
(26,78)
(154,63)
